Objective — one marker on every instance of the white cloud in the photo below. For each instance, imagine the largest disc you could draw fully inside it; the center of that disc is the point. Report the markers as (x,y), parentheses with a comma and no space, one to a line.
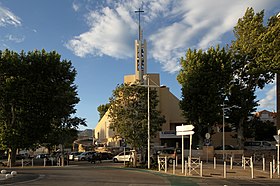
(15,38)
(269,99)
(110,34)
(75,6)
(171,27)
(8,18)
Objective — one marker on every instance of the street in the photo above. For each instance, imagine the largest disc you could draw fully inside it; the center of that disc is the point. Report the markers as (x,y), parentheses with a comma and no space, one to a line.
(84,173)
(108,173)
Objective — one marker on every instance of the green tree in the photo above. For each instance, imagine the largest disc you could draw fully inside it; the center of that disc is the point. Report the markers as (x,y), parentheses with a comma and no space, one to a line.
(259,130)
(249,74)
(36,89)
(102,109)
(204,77)
(128,114)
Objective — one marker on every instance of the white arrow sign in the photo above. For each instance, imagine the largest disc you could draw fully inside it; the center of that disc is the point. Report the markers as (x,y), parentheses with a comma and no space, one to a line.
(184,128)
(184,133)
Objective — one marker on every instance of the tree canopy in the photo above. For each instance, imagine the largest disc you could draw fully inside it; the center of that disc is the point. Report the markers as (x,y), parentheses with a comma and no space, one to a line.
(249,63)
(37,91)
(128,114)
(204,77)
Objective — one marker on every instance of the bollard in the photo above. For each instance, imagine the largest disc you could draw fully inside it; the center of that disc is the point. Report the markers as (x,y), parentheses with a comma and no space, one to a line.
(263,164)
(270,169)
(176,161)
(189,163)
(214,162)
(231,162)
(242,160)
(44,162)
(200,168)
(174,166)
(252,168)
(273,166)
(32,162)
(186,168)
(225,169)
(21,162)
(165,163)
(158,163)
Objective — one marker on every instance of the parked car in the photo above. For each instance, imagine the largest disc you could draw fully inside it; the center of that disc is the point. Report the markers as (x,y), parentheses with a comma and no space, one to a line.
(259,145)
(227,147)
(169,153)
(121,157)
(106,155)
(72,155)
(85,155)
(42,156)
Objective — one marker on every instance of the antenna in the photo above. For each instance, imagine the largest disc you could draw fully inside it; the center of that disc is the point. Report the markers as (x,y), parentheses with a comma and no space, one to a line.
(139,28)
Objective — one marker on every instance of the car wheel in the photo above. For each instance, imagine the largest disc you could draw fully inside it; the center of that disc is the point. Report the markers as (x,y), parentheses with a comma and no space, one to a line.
(115,160)
(82,159)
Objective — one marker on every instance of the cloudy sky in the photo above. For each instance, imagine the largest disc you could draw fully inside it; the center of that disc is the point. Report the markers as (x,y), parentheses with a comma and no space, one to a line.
(98,37)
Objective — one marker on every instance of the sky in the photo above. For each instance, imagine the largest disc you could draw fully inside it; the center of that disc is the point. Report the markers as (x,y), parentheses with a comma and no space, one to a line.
(97,36)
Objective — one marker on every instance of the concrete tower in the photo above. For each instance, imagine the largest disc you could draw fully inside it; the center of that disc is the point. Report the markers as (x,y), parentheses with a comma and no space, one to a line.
(140,53)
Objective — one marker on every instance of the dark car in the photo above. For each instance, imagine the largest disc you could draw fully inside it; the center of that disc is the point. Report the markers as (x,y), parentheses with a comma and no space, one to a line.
(227,147)
(170,153)
(106,155)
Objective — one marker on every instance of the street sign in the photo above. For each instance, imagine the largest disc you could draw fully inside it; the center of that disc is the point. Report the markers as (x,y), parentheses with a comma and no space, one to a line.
(184,128)
(183,133)
(276,137)
(207,136)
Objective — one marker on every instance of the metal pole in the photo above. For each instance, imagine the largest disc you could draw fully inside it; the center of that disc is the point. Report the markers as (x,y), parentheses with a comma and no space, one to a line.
(182,153)
(225,169)
(149,161)
(278,155)
(270,170)
(173,166)
(214,162)
(200,168)
(224,131)
(263,164)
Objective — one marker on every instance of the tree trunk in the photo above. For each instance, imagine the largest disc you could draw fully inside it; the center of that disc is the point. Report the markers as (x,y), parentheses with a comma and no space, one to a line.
(12,156)
(240,134)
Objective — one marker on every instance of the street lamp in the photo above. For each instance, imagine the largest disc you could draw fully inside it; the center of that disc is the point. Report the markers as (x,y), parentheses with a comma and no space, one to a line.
(147,78)
(224,126)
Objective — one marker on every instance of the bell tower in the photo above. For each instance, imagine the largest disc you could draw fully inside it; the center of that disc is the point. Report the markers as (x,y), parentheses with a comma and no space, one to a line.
(140,52)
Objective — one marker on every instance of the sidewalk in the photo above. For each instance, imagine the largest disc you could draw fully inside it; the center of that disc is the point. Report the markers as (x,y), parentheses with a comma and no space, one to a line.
(237,172)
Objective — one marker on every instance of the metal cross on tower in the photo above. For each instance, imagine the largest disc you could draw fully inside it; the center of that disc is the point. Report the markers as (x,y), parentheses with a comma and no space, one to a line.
(139,28)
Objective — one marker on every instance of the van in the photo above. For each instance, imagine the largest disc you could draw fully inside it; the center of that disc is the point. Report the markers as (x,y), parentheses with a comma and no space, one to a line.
(259,145)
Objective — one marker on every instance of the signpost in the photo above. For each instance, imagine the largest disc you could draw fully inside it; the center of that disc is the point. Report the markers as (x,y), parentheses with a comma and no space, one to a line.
(183,131)
(207,142)
(276,137)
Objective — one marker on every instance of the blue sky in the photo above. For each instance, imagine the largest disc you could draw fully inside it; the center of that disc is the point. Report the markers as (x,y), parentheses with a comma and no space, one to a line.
(98,37)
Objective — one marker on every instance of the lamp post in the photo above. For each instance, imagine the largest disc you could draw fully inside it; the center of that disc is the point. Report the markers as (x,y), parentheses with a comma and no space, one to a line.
(224,127)
(224,131)
(147,78)
(149,145)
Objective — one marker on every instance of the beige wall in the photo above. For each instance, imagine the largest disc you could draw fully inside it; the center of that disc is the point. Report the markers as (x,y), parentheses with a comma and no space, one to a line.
(102,132)
(168,106)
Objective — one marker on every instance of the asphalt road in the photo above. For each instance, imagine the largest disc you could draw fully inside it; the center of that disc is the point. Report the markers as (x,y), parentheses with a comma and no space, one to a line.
(86,174)
(114,174)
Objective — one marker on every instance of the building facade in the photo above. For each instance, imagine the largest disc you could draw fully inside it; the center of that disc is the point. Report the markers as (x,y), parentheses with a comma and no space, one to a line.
(168,105)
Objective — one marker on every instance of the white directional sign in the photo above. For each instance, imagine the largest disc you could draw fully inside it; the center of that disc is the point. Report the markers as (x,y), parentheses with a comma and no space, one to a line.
(184,133)
(276,137)
(184,128)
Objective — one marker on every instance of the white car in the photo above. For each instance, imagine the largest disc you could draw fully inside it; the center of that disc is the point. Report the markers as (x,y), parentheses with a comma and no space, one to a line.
(121,157)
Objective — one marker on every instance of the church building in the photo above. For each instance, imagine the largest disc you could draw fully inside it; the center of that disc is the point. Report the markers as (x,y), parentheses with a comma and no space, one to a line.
(168,104)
